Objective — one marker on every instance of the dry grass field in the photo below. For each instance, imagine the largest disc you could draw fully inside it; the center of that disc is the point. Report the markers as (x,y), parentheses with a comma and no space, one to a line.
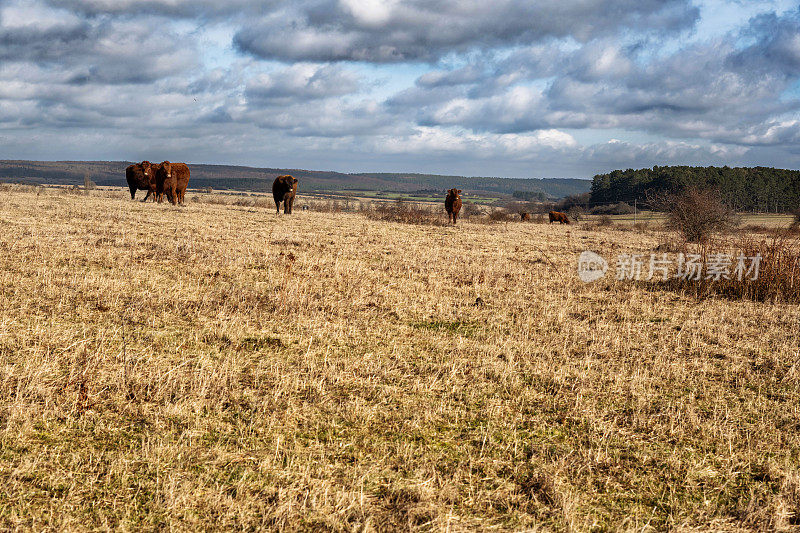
(220,367)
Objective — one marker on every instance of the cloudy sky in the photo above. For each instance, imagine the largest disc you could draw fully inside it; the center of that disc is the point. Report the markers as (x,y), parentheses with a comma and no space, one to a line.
(522,88)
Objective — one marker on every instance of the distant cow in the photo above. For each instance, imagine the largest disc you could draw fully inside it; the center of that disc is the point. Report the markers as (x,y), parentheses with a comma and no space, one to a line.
(142,177)
(284,189)
(452,204)
(172,180)
(561,218)
(525,216)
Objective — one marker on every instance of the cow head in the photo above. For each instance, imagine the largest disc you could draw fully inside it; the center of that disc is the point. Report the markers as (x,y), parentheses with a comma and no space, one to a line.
(167,166)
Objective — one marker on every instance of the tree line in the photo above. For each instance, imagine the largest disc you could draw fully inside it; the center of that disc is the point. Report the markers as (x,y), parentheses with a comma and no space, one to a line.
(760,189)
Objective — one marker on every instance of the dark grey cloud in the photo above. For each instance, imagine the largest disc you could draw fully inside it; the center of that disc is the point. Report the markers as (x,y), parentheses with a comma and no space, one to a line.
(714,90)
(301,82)
(196,9)
(776,48)
(426,30)
(107,51)
(50,42)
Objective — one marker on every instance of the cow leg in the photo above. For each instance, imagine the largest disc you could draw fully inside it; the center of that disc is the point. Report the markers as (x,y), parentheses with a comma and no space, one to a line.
(291,204)
(173,195)
(455,216)
(133,191)
(148,196)
(277,207)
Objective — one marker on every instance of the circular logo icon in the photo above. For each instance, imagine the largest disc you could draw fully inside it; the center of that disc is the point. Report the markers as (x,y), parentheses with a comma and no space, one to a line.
(591,266)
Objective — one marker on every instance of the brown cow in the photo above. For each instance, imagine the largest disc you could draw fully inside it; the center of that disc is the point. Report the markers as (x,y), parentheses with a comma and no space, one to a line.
(284,189)
(525,216)
(142,177)
(561,218)
(172,180)
(452,204)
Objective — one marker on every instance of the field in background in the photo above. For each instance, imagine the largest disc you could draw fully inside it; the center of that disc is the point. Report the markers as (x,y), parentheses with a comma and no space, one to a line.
(766,220)
(218,366)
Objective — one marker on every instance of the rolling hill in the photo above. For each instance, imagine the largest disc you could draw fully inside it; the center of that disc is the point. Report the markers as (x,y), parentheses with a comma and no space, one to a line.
(253,179)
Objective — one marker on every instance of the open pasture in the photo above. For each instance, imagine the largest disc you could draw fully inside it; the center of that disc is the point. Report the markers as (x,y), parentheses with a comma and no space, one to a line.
(218,367)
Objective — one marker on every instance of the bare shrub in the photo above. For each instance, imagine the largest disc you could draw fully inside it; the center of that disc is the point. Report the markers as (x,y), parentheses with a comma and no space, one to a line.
(470,210)
(88,184)
(499,215)
(243,202)
(614,209)
(405,213)
(697,214)
(575,213)
(777,278)
(605,220)
(576,200)
(328,206)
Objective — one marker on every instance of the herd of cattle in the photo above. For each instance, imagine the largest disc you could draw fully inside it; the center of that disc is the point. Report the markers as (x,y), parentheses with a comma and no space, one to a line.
(158,179)
(452,204)
(173,178)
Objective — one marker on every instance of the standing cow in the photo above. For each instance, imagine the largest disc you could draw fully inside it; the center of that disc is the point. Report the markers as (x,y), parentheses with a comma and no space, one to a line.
(524,216)
(172,180)
(561,218)
(452,204)
(142,177)
(284,189)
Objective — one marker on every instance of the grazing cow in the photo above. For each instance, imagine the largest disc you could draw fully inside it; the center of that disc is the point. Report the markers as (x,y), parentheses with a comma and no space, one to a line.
(525,216)
(452,204)
(284,189)
(561,218)
(172,180)
(142,176)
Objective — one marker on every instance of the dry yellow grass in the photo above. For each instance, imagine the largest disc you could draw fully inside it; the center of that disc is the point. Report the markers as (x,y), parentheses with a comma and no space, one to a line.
(217,367)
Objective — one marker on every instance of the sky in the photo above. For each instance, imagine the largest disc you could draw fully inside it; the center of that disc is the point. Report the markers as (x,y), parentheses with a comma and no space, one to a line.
(507,88)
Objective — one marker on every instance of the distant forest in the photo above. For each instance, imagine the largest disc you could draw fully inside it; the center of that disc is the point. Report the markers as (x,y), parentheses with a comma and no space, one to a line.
(252,179)
(745,189)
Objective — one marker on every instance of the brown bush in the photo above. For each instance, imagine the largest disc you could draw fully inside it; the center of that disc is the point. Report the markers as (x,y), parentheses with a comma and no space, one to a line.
(499,215)
(470,209)
(605,220)
(620,208)
(778,278)
(405,213)
(697,214)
